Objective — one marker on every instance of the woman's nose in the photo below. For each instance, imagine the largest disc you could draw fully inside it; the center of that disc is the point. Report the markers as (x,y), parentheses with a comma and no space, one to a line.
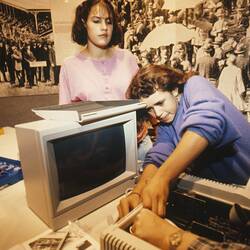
(157,112)
(104,25)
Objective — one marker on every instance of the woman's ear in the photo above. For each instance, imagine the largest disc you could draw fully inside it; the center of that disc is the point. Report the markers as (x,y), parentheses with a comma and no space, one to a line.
(175,92)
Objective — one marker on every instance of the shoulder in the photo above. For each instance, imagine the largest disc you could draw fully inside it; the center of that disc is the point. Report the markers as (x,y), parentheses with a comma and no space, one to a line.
(199,86)
(195,81)
(73,59)
(124,53)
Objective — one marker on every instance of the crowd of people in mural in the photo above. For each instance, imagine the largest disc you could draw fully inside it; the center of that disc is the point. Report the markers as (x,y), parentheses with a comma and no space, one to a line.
(220,45)
(27,57)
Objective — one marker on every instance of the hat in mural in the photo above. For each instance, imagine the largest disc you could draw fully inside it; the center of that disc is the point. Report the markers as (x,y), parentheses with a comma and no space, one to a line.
(240,49)
(219,5)
(218,40)
(227,47)
(179,47)
(241,9)
(220,12)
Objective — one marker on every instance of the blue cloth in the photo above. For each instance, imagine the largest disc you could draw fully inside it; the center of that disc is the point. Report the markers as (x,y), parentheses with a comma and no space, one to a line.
(206,111)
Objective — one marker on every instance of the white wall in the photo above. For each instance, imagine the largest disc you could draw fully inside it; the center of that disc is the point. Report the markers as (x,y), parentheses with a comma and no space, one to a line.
(62,13)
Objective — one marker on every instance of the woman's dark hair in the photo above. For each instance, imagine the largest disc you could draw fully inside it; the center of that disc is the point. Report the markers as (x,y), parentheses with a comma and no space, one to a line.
(79,32)
(153,77)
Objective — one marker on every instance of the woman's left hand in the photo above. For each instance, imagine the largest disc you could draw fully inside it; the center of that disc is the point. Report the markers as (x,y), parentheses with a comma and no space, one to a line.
(155,194)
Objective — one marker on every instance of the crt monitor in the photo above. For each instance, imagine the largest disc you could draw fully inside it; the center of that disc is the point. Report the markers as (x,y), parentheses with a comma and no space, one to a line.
(70,169)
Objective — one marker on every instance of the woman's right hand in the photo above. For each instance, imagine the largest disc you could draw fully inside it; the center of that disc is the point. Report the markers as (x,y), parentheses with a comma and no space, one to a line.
(155,194)
(128,203)
(132,200)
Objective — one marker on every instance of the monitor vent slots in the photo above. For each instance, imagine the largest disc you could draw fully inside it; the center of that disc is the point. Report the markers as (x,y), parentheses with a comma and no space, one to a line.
(112,243)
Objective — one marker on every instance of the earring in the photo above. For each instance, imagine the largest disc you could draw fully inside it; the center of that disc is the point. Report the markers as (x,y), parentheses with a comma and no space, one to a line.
(175,92)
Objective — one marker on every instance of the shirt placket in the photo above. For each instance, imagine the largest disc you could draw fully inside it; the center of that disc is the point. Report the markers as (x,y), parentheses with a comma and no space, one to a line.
(106,82)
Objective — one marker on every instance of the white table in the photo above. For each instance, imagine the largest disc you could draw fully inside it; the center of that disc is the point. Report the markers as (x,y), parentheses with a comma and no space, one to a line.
(18,223)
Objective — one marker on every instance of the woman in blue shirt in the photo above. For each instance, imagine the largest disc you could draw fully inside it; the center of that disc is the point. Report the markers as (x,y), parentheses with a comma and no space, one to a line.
(199,130)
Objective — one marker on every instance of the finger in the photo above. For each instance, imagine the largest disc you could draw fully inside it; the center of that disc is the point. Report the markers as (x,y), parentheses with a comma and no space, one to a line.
(155,205)
(146,201)
(124,207)
(135,203)
(119,211)
(161,208)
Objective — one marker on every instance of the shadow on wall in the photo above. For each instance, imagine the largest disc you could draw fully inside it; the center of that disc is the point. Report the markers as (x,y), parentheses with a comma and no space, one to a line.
(17,109)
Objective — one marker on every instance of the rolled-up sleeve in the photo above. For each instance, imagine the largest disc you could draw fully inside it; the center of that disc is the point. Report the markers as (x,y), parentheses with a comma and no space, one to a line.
(205,114)
(162,148)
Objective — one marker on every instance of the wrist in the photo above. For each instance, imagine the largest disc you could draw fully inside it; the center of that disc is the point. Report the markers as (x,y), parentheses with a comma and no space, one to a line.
(179,240)
(163,175)
(148,173)
(175,239)
(130,192)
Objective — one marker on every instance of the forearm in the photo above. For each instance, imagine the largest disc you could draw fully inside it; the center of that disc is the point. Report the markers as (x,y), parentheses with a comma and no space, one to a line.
(189,148)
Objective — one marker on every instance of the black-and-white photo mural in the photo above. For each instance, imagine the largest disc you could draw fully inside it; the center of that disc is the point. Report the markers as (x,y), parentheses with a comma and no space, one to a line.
(27,55)
(210,37)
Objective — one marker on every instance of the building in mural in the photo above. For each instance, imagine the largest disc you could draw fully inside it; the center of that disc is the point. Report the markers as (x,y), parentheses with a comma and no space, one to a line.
(28,64)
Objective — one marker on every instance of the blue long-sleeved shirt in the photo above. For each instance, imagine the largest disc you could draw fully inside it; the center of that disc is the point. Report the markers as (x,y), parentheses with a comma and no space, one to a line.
(206,111)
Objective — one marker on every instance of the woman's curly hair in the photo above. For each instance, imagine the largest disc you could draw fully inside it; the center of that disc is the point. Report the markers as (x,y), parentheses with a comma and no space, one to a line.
(156,77)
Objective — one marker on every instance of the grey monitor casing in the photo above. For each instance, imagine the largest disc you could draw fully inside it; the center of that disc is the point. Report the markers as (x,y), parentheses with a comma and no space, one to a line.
(40,175)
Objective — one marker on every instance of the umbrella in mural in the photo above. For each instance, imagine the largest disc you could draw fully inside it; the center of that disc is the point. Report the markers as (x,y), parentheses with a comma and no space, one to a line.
(166,34)
(173,5)
(204,25)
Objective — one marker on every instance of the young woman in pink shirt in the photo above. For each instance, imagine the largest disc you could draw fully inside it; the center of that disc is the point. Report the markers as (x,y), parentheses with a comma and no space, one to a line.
(101,71)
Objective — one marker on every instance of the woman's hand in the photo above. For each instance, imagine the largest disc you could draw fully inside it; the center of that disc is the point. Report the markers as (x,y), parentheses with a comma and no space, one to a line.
(153,229)
(157,231)
(134,198)
(155,194)
(128,203)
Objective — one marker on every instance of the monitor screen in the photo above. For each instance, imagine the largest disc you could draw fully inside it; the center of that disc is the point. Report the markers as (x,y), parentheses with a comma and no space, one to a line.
(89,159)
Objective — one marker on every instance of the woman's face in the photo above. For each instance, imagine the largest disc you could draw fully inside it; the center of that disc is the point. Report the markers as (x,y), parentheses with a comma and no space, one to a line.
(161,105)
(99,26)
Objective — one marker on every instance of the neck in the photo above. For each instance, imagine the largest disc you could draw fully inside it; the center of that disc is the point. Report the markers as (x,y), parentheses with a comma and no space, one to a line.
(97,53)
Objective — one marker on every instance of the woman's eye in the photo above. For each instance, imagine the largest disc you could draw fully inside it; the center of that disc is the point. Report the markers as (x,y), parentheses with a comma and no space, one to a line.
(149,110)
(96,20)
(159,103)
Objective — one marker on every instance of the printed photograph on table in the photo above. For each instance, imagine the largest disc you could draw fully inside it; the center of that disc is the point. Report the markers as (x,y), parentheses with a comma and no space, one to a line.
(27,55)
(51,241)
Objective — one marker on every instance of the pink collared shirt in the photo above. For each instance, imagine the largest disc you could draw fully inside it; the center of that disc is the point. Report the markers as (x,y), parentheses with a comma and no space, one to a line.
(87,79)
